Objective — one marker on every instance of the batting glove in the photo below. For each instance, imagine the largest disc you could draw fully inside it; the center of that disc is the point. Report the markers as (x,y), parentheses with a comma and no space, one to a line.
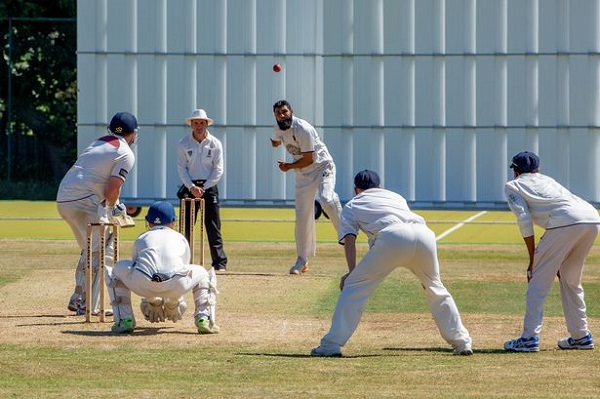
(118,210)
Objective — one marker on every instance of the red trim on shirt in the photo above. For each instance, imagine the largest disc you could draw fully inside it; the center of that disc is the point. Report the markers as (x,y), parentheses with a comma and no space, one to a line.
(112,140)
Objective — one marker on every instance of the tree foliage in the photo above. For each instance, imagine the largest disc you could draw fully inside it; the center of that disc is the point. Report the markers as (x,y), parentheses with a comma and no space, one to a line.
(39,134)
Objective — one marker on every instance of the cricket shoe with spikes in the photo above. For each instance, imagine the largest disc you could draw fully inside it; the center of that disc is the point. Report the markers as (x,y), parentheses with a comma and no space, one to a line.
(300,267)
(463,350)
(523,344)
(321,351)
(586,342)
(74,303)
(123,326)
(205,326)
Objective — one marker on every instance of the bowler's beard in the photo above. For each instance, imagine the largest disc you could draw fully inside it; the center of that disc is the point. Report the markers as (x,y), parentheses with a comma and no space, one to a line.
(285,124)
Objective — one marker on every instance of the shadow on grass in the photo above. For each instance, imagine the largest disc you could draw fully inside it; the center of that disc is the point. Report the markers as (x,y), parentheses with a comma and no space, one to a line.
(448,350)
(301,355)
(138,332)
(55,316)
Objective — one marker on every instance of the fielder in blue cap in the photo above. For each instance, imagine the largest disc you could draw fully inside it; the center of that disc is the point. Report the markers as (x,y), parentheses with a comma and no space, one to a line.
(525,162)
(571,226)
(397,237)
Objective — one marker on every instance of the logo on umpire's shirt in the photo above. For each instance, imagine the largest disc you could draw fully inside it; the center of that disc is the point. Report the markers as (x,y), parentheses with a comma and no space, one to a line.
(123,173)
(189,152)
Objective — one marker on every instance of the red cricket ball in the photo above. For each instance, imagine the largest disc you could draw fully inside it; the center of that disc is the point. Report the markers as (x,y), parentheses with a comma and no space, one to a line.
(276,67)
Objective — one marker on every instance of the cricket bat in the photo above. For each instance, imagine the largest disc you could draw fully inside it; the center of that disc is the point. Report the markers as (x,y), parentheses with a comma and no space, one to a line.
(124,220)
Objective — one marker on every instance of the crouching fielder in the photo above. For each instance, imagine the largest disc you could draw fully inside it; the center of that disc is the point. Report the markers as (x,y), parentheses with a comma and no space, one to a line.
(160,273)
(397,237)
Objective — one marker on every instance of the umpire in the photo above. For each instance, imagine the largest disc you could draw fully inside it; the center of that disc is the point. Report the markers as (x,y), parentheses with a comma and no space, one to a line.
(200,167)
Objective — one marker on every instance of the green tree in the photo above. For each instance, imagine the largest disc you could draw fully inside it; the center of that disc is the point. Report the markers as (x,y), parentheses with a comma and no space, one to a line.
(39,135)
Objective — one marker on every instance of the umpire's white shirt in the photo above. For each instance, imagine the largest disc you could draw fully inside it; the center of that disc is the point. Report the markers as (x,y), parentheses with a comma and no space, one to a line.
(538,199)
(200,161)
(372,210)
(302,137)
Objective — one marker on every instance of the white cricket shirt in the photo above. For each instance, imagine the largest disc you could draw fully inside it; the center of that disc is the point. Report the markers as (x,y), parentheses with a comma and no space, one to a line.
(537,198)
(372,210)
(108,156)
(161,250)
(302,137)
(200,161)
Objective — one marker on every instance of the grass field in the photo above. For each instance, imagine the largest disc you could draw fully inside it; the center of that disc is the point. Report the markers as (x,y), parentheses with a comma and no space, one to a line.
(270,321)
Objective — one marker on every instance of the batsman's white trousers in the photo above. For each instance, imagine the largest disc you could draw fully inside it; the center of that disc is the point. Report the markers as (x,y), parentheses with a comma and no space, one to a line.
(408,245)
(78,214)
(562,249)
(321,181)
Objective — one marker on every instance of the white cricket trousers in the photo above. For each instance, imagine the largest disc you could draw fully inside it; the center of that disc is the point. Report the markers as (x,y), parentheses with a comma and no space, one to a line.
(321,181)
(407,245)
(173,289)
(562,249)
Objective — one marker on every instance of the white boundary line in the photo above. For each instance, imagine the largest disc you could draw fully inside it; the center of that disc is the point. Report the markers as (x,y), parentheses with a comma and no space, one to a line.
(459,225)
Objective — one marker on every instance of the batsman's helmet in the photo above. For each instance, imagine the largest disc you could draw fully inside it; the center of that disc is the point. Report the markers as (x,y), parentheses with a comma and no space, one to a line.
(161,213)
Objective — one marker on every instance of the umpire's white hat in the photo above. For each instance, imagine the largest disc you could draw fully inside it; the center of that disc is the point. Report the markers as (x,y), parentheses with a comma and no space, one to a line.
(199,114)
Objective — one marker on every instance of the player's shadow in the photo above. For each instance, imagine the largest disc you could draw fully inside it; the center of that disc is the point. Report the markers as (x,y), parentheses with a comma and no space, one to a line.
(448,350)
(48,316)
(138,332)
(301,355)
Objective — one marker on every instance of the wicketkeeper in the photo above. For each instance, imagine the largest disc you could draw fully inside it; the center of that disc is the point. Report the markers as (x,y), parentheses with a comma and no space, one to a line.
(160,273)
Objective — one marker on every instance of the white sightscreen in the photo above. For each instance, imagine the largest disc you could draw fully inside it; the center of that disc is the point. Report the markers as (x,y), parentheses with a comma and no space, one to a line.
(435,95)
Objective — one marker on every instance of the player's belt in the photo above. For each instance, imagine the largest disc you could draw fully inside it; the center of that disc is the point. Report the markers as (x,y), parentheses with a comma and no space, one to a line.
(158,277)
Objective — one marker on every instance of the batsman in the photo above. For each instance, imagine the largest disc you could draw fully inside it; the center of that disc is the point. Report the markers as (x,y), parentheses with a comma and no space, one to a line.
(89,193)
(160,272)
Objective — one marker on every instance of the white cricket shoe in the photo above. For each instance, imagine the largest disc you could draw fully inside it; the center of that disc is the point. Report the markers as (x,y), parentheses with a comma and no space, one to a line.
(300,267)
(586,342)
(523,344)
(463,350)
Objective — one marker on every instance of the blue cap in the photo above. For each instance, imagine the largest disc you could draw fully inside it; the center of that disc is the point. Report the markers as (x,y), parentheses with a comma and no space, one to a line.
(123,123)
(161,213)
(525,162)
(366,179)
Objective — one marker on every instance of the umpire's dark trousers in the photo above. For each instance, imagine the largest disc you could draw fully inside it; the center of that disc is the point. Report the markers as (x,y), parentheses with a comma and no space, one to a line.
(212,223)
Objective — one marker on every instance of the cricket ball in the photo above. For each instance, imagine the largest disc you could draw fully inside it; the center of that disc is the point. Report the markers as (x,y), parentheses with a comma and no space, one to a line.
(276,68)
